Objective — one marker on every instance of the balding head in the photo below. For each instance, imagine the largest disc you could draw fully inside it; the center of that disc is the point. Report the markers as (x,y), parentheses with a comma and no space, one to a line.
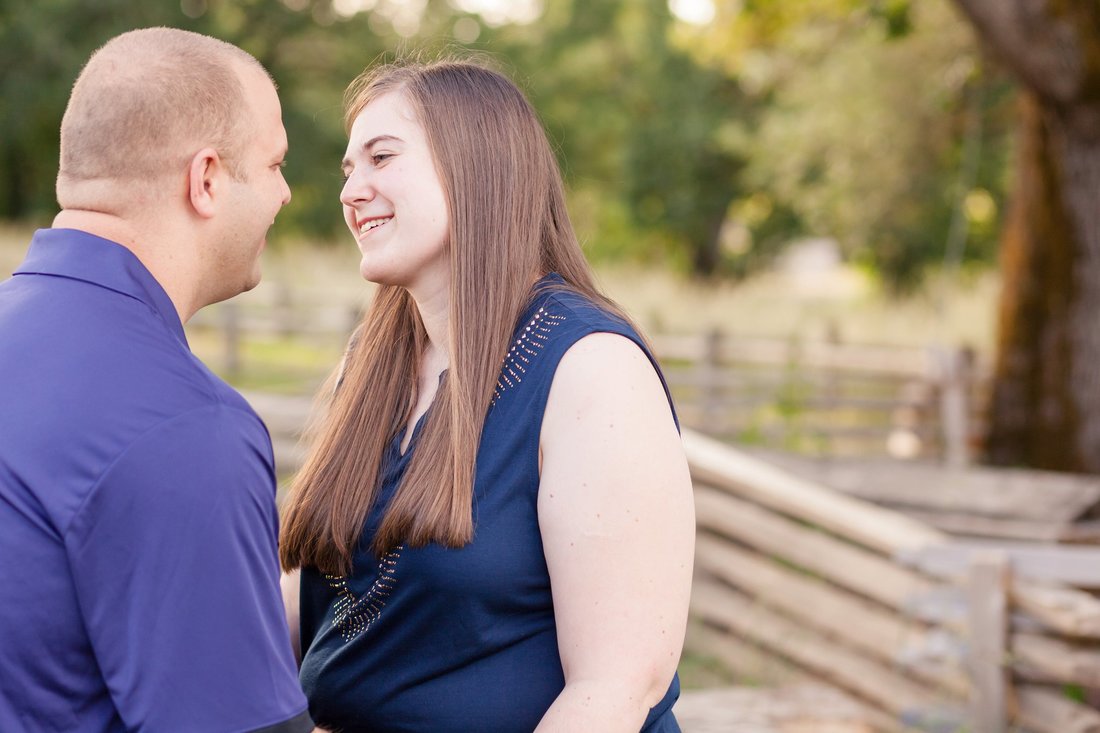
(145,103)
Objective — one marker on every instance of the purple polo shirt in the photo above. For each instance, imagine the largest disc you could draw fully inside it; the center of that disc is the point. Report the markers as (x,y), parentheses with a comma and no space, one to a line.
(138,528)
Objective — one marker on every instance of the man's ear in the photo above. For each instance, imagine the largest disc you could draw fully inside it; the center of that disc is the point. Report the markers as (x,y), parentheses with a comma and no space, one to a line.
(205,177)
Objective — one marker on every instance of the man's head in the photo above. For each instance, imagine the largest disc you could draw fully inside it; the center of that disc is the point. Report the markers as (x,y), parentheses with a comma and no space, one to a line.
(180,136)
(145,102)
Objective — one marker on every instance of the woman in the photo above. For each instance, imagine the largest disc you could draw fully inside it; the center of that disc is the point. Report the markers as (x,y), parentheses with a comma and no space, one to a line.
(484,547)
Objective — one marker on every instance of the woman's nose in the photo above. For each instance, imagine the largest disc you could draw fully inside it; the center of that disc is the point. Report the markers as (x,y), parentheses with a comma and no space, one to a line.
(356,188)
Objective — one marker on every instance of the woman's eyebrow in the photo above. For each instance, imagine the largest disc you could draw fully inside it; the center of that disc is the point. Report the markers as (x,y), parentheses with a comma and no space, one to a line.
(370,143)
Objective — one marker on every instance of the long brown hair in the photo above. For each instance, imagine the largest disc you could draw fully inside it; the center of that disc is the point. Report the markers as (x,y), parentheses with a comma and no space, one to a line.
(508,226)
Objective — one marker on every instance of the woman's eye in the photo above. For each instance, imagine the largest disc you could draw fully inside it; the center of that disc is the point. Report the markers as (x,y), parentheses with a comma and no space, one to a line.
(380,157)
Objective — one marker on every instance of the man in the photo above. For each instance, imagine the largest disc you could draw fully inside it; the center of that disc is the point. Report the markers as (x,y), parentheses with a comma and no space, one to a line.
(138,529)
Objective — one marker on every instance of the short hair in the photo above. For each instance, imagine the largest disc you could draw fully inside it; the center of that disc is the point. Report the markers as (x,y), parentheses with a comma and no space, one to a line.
(148,100)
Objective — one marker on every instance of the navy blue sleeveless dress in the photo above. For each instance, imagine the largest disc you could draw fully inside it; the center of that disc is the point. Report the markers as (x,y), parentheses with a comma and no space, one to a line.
(445,640)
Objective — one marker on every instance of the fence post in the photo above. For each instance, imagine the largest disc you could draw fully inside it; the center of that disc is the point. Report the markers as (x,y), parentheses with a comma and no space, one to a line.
(284,309)
(955,369)
(987,599)
(231,327)
(831,400)
(709,381)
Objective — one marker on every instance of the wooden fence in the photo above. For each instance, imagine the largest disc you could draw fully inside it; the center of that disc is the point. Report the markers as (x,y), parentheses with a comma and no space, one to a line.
(828,398)
(930,632)
(926,631)
(818,398)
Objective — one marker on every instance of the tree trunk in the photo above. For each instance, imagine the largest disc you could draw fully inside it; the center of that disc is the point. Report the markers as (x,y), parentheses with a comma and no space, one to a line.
(1046,396)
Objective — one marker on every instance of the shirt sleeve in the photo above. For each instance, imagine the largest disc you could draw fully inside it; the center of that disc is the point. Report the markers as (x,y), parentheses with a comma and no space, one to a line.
(174,560)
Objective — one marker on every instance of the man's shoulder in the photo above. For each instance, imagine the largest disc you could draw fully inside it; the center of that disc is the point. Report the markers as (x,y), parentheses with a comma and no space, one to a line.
(85,393)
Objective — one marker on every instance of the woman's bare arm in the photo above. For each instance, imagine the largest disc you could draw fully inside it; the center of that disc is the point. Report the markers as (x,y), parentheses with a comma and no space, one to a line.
(617,519)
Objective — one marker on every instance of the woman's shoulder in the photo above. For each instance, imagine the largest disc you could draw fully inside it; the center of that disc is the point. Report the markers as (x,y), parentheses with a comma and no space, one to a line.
(558,304)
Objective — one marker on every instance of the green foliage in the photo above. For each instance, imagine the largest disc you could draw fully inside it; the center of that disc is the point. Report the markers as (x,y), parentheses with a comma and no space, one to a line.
(310,53)
(702,148)
(43,44)
(637,120)
(862,112)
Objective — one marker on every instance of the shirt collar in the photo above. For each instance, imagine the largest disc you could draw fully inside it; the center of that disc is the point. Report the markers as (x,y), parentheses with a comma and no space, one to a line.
(82,256)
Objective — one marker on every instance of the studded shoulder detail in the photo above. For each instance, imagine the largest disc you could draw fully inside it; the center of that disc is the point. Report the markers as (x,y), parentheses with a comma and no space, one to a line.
(530,342)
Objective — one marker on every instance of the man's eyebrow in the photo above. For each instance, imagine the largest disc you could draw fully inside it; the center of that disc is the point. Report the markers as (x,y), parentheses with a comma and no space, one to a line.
(346,162)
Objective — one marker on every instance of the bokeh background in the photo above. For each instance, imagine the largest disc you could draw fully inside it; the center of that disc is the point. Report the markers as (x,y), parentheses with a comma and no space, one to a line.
(821,170)
(864,239)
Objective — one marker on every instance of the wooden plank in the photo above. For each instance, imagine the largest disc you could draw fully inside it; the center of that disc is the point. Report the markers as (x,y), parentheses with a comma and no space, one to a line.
(1064,610)
(871,681)
(803,708)
(725,422)
(986,586)
(716,464)
(954,366)
(1046,710)
(810,355)
(1086,532)
(748,663)
(993,492)
(1074,565)
(1061,609)
(845,564)
(1047,659)
(972,525)
(745,379)
(862,624)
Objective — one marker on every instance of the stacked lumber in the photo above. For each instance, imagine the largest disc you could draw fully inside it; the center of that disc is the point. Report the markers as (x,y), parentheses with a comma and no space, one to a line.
(927,631)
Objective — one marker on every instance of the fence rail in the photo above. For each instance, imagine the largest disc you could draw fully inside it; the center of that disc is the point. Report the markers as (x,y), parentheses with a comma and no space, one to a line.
(820,398)
(930,631)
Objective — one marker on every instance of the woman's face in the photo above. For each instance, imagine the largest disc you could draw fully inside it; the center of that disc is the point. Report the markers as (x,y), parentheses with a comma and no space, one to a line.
(393,200)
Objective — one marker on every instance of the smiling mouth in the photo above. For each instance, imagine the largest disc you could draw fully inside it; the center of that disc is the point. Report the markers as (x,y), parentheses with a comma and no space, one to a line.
(372,224)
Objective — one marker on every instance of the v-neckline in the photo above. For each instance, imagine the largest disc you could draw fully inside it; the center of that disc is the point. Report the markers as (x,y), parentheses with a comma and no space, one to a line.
(400,437)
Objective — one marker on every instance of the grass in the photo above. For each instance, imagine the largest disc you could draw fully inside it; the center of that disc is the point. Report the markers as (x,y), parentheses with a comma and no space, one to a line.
(284,365)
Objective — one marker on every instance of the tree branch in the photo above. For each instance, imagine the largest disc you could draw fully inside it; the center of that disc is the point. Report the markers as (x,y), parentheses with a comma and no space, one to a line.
(1048,44)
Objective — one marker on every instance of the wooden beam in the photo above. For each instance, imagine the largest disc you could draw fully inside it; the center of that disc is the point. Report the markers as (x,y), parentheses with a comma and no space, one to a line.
(1046,659)
(973,525)
(1006,493)
(986,585)
(860,623)
(749,664)
(1046,710)
(871,681)
(1064,610)
(738,473)
(1059,608)
(1074,565)
(845,564)
(809,706)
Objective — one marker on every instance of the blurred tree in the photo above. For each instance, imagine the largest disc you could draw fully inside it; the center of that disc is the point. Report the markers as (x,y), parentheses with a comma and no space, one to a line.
(1046,397)
(638,124)
(310,49)
(43,45)
(864,113)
